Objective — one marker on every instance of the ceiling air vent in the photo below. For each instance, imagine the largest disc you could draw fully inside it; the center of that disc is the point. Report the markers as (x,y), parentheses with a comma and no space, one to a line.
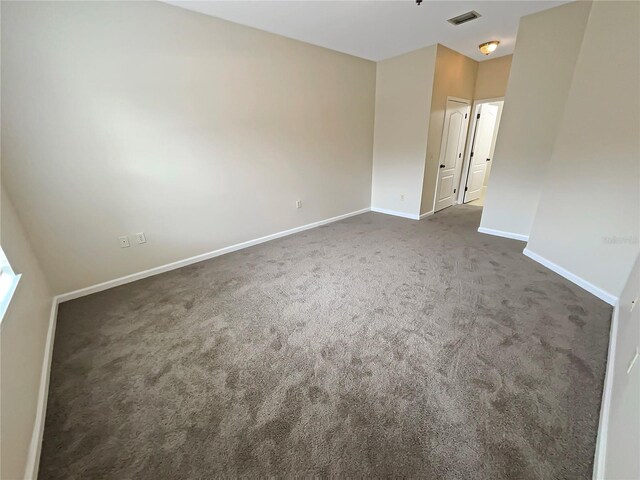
(464,18)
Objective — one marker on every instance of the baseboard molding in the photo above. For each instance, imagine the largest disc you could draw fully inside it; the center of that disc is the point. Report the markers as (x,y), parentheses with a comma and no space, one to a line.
(411,216)
(501,233)
(35,447)
(588,286)
(599,459)
(424,215)
(198,258)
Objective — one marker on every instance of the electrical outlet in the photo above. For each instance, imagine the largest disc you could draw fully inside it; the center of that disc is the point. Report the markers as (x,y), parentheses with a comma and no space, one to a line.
(124,242)
(141,238)
(402,197)
(298,203)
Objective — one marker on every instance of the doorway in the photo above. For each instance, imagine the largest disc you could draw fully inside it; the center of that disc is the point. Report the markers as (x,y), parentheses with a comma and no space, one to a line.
(483,134)
(454,135)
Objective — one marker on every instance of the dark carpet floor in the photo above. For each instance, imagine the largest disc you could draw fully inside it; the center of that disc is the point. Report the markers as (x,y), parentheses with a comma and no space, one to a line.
(371,347)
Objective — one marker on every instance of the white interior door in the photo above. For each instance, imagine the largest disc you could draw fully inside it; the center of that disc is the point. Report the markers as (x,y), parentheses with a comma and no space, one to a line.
(481,151)
(451,149)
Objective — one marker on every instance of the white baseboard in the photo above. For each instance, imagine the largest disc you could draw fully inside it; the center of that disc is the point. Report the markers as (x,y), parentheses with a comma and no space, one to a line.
(500,233)
(588,286)
(424,215)
(198,258)
(599,458)
(35,447)
(412,216)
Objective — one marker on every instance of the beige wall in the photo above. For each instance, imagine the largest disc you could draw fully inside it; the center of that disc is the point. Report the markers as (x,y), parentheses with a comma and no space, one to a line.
(121,117)
(401,151)
(22,340)
(455,76)
(543,63)
(588,217)
(403,95)
(487,175)
(620,457)
(492,78)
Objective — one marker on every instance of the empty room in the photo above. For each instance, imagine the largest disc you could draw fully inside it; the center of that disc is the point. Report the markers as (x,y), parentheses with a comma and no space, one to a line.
(320,239)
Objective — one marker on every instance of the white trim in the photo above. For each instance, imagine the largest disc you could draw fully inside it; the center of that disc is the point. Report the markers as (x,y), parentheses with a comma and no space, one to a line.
(459,99)
(605,407)
(395,213)
(198,258)
(35,448)
(489,100)
(588,286)
(500,233)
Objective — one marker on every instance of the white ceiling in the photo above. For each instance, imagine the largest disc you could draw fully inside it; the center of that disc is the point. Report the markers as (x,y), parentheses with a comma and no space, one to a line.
(380,29)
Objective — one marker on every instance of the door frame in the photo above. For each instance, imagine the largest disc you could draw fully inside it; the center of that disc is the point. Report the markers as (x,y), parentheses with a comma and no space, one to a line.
(467,102)
(466,158)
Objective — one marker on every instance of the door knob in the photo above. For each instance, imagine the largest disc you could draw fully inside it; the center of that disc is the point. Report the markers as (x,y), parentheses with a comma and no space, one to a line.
(441,166)
(488,159)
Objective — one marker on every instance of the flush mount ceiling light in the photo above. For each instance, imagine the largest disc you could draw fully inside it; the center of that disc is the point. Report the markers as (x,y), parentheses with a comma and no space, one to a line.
(489,47)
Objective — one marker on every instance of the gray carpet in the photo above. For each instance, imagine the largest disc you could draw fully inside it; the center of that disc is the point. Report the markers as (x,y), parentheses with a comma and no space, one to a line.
(372,347)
